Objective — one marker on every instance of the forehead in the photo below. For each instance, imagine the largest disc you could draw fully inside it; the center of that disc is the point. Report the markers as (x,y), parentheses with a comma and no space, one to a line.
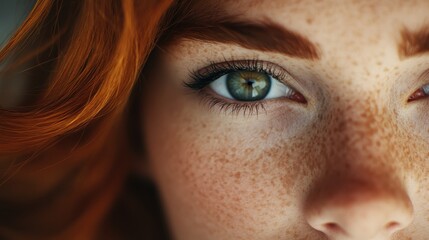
(332,24)
(348,17)
(319,9)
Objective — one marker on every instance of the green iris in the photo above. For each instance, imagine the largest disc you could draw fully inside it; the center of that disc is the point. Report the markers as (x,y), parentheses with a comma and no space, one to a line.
(248,86)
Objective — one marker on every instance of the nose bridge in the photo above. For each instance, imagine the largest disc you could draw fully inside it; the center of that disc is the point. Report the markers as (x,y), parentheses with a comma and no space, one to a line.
(360,132)
(359,194)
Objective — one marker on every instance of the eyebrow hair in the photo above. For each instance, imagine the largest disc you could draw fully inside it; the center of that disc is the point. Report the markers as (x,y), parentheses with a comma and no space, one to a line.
(413,43)
(215,26)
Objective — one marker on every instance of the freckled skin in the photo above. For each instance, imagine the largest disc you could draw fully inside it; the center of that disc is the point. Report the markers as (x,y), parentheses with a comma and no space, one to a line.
(355,154)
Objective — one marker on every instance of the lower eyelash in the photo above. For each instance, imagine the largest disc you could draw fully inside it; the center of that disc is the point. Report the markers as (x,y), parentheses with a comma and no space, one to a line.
(245,108)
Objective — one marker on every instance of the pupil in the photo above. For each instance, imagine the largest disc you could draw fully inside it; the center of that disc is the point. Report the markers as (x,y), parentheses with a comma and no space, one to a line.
(250,82)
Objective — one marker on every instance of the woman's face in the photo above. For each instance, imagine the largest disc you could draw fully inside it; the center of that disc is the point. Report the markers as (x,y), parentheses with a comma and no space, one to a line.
(309,123)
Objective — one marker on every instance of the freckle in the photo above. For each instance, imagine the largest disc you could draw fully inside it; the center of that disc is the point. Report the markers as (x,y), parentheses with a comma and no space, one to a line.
(237,175)
(368,73)
(264,135)
(249,151)
(378,143)
(337,98)
(253,180)
(188,128)
(309,20)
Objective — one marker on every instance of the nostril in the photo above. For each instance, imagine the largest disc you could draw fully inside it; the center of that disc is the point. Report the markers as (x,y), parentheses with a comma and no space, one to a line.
(333,228)
(393,226)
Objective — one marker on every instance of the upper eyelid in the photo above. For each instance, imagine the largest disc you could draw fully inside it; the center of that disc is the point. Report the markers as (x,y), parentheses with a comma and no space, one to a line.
(243,64)
(227,66)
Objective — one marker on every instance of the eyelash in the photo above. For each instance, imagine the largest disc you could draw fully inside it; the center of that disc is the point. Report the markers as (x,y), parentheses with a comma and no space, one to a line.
(200,79)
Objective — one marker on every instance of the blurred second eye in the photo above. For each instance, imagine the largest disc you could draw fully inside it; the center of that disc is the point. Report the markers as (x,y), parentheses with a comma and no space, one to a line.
(250,86)
(419,93)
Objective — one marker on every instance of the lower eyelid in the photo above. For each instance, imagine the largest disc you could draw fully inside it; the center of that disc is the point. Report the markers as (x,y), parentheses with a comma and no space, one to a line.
(209,98)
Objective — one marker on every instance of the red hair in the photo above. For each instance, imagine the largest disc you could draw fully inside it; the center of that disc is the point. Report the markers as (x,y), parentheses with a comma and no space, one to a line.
(62,164)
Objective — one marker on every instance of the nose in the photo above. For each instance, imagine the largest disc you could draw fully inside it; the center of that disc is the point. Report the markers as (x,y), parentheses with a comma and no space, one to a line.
(356,209)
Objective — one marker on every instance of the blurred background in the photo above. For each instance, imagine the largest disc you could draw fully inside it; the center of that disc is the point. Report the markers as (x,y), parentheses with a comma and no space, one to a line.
(12,14)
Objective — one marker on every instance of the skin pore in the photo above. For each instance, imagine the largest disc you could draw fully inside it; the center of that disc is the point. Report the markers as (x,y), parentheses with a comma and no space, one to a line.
(349,164)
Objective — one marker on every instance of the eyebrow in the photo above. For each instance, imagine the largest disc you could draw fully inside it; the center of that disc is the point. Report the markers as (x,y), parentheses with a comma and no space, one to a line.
(259,35)
(413,43)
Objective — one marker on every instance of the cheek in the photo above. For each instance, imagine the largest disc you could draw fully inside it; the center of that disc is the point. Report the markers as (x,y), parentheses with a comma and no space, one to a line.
(236,175)
(228,178)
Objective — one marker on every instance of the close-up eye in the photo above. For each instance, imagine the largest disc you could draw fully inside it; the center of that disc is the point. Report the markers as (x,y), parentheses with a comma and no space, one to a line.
(420,93)
(244,81)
